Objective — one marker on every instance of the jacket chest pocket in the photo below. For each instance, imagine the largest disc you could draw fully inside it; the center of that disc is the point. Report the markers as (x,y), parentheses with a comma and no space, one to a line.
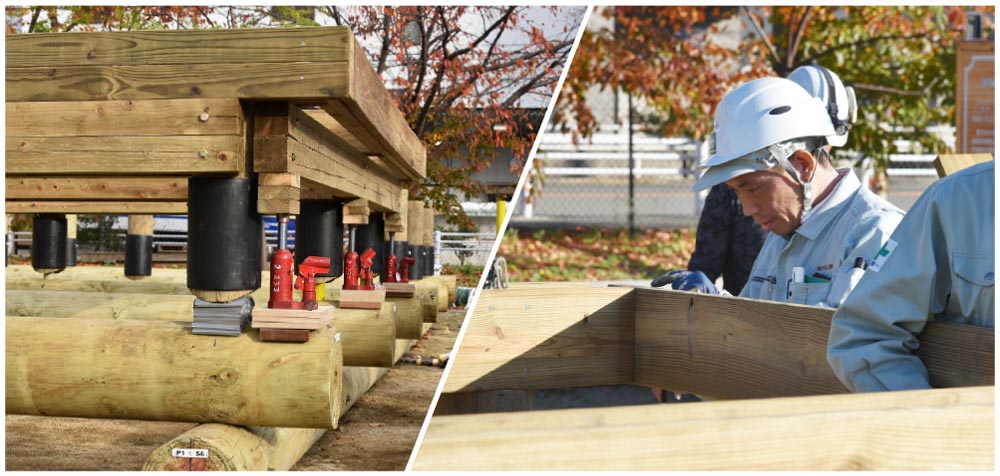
(762,287)
(972,286)
(808,293)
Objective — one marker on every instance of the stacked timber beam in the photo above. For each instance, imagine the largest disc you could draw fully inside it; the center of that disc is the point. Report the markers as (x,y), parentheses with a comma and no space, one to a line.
(764,354)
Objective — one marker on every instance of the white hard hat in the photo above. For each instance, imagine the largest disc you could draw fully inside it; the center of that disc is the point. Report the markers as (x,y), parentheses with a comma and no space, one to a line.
(840,102)
(756,116)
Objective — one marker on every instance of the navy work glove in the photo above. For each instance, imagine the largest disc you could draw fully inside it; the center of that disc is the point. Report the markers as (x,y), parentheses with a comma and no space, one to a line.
(682,280)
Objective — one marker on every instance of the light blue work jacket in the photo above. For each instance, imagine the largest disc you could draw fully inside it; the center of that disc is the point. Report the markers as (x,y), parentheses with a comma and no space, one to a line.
(937,265)
(849,223)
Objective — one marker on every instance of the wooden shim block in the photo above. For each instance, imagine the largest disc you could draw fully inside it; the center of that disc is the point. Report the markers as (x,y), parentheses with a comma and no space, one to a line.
(256,448)
(370,114)
(140,225)
(883,431)
(415,222)
(292,323)
(356,212)
(362,299)
(263,81)
(171,117)
(152,370)
(284,335)
(288,139)
(97,188)
(124,155)
(279,207)
(726,348)
(104,208)
(536,338)
(949,164)
(399,290)
(394,223)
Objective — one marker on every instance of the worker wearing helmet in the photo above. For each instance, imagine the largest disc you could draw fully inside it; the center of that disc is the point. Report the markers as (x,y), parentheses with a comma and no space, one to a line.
(938,264)
(771,146)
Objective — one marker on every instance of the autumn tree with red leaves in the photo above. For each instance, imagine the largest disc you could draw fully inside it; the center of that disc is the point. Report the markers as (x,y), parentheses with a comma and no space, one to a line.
(900,60)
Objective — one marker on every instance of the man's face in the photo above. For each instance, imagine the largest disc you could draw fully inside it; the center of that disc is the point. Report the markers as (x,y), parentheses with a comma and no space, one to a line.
(771,197)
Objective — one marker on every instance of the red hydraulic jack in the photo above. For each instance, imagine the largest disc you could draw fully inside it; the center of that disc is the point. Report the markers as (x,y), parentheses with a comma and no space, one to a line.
(404,274)
(367,275)
(390,261)
(282,280)
(355,295)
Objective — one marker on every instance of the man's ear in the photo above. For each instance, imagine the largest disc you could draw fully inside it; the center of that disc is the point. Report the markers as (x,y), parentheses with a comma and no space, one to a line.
(805,164)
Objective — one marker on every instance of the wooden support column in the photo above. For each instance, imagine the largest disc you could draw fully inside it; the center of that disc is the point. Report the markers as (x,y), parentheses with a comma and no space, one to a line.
(415,234)
(71,244)
(278,194)
(152,370)
(886,431)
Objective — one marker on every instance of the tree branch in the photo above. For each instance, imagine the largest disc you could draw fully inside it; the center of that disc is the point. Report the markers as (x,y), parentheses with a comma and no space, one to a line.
(34,19)
(486,33)
(760,32)
(859,43)
(799,33)
(384,53)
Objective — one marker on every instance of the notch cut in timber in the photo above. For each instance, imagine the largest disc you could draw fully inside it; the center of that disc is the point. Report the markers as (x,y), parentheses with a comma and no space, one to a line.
(528,337)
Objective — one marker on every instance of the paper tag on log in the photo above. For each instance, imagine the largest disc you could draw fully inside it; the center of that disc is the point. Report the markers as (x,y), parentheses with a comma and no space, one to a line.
(190,453)
(336,337)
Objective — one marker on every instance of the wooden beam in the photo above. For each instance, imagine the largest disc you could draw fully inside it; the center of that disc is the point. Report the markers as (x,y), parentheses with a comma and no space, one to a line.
(287,140)
(104,208)
(884,431)
(727,348)
(261,81)
(370,114)
(949,164)
(149,188)
(428,228)
(531,337)
(124,155)
(179,47)
(173,117)
(338,129)
(415,222)
(490,401)
(152,370)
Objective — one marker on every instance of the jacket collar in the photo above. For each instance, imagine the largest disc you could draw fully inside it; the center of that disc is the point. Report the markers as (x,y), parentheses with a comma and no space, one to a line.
(826,211)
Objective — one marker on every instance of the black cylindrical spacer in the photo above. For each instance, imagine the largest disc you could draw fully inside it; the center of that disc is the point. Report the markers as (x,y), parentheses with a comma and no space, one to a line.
(417,271)
(319,231)
(428,251)
(48,241)
(372,236)
(224,242)
(138,255)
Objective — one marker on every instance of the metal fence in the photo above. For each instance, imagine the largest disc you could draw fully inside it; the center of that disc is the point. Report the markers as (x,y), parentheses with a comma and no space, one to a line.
(452,247)
(622,177)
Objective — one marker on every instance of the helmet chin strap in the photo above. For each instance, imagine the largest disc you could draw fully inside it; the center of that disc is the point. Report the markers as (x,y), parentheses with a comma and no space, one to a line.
(781,152)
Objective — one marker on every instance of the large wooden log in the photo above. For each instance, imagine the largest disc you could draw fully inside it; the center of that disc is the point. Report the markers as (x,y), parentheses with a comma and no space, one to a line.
(409,317)
(534,337)
(368,336)
(427,291)
(152,370)
(269,449)
(234,448)
(886,431)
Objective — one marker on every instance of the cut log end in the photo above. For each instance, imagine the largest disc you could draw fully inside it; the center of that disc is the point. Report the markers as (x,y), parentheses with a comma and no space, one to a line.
(219,296)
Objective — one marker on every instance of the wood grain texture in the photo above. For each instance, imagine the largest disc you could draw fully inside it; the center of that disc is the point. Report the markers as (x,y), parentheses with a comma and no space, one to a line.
(104,208)
(409,317)
(368,335)
(489,401)
(415,222)
(148,188)
(140,224)
(176,117)
(286,140)
(532,337)
(949,164)
(428,228)
(152,370)
(124,155)
(180,47)
(369,113)
(262,81)
(729,348)
(885,431)
(233,448)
